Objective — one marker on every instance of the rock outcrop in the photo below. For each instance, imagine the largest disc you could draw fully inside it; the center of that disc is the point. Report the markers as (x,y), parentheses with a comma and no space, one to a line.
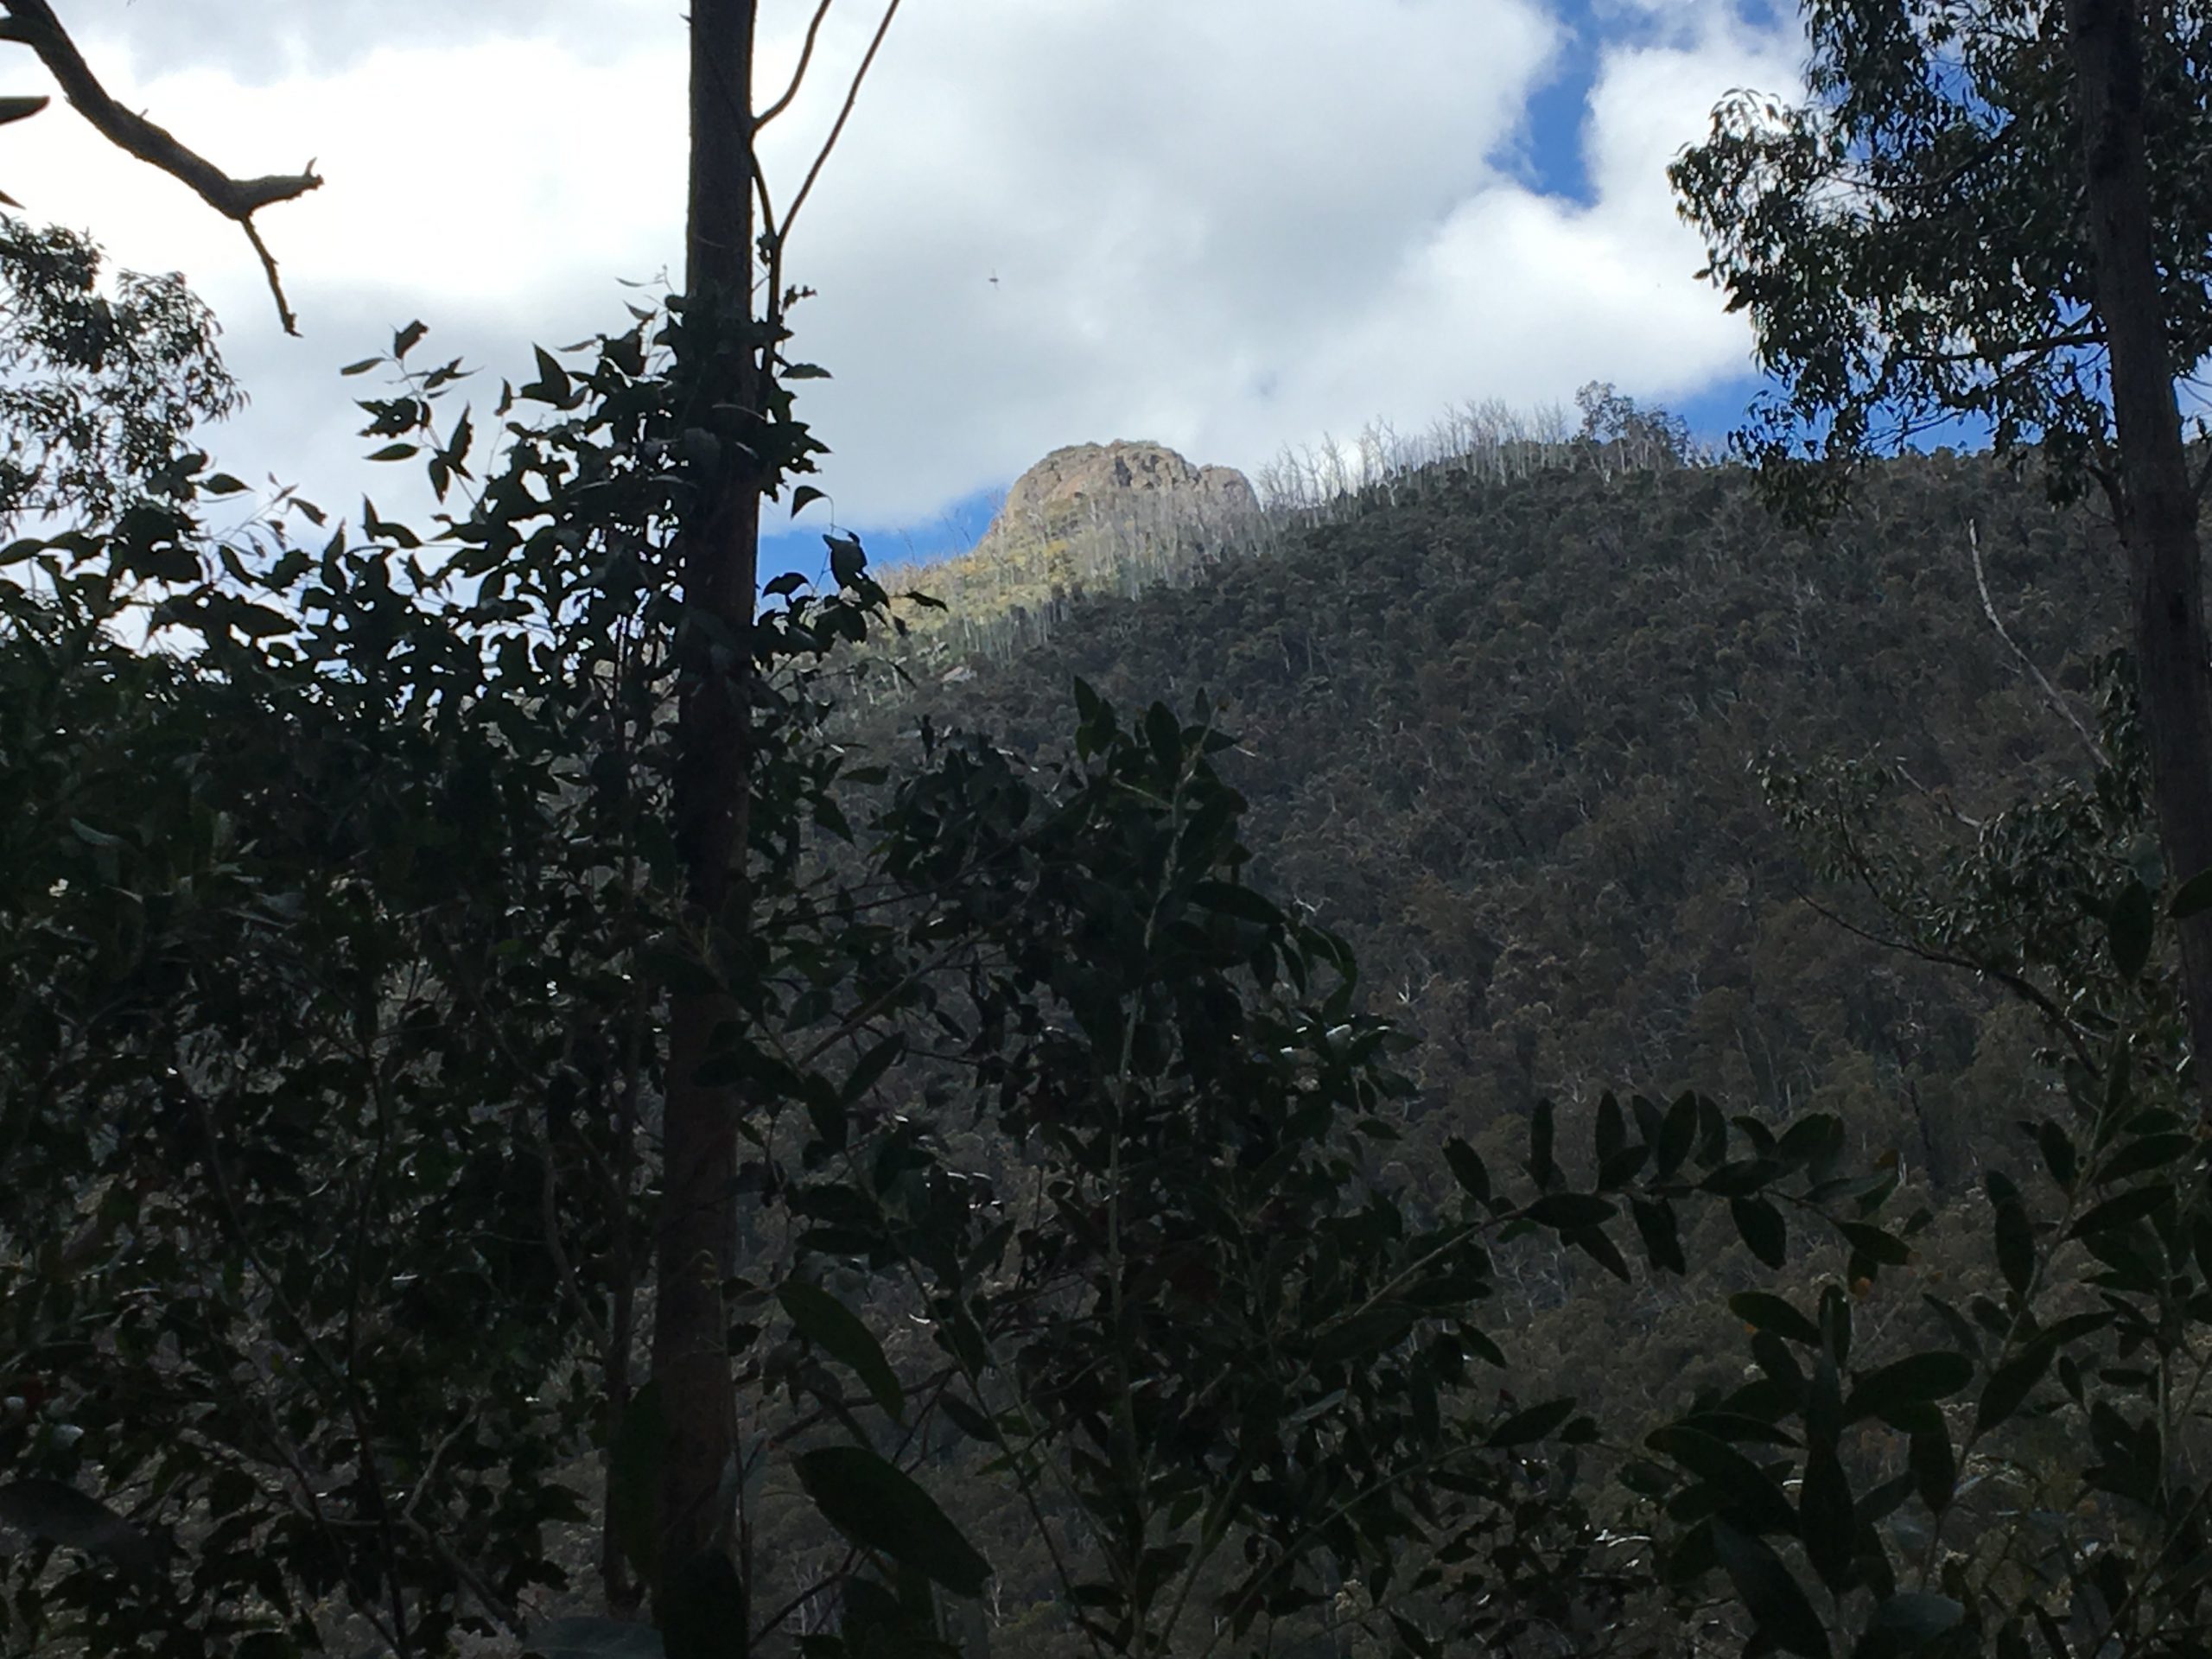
(1091,519)
(1113,489)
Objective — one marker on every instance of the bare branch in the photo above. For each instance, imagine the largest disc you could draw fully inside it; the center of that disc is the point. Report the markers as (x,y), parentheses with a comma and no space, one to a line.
(2058,705)
(2026,988)
(852,97)
(492,1602)
(32,23)
(268,269)
(805,54)
(2029,352)
(1939,800)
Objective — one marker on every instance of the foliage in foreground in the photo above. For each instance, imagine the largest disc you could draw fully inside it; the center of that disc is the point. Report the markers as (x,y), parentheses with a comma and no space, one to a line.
(331,954)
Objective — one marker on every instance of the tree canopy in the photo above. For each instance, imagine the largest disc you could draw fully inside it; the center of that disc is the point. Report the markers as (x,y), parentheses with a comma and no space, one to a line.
(1912,243)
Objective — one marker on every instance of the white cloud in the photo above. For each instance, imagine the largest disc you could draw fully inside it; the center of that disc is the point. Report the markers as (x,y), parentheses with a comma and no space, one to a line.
(263,43)
(1524,297)
(1225,226)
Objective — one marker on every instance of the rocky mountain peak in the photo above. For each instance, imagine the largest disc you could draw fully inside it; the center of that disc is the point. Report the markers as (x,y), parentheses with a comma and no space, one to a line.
(1100,485)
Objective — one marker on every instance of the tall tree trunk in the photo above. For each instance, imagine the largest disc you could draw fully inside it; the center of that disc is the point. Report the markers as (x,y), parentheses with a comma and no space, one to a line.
(2154,504)
(698,1233)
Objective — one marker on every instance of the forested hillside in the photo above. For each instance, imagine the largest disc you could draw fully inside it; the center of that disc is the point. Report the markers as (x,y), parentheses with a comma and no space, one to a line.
(1508,735)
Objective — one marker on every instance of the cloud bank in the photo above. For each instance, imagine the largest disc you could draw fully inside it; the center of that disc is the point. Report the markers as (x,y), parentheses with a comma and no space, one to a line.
(1229,228)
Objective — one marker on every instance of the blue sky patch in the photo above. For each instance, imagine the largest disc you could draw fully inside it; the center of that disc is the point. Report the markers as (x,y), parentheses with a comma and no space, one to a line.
(786,544)
(1550,158)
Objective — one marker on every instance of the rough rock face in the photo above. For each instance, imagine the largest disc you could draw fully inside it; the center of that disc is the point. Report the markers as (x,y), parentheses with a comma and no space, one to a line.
(1091,518)
(1097,485)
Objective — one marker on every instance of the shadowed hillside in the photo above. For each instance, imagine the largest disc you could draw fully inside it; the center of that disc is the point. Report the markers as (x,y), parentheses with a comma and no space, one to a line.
(1502,732)
(1503,727)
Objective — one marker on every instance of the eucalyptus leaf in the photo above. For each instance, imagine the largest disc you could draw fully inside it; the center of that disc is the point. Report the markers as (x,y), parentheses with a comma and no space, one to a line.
(880,1508)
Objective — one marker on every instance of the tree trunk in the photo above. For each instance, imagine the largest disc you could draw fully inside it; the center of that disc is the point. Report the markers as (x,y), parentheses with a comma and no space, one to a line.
(698,1233)
(2154,504)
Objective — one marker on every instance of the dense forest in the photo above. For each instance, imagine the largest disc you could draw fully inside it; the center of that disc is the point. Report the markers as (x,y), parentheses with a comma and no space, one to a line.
(1507,736)
(1537,740)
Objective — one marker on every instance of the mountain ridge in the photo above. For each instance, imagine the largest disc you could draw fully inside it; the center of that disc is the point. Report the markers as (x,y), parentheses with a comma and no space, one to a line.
(1085,518)
(1481,697)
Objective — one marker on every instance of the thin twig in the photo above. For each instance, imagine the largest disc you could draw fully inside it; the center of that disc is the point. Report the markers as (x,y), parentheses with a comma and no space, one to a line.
(1941,801)
(805,54)
(549,1197)
(32,23)
(852,97)
(2058,705)
(378,1491)
(348,1386)
(309,1504)
(269,269)
(2019,985)
(2030,350)
(493,1601)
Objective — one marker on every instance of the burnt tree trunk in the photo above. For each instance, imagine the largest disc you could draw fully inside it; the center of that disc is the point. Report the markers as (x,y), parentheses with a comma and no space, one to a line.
(2153,502)
(696,1239)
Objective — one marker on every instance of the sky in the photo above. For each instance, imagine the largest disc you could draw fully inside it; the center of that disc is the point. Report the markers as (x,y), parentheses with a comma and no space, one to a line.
(1227,225)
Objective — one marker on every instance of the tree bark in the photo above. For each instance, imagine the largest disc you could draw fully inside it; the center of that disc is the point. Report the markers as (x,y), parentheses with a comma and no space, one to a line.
(718,544)
(2154,504)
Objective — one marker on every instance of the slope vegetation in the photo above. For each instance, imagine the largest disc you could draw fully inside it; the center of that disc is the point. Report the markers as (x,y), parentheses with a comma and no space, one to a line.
(1503,734)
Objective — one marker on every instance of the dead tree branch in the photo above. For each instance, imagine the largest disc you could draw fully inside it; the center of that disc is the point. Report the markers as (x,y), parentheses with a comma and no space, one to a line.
(799,75)
(2058,704)
(837,128)
(32,23)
